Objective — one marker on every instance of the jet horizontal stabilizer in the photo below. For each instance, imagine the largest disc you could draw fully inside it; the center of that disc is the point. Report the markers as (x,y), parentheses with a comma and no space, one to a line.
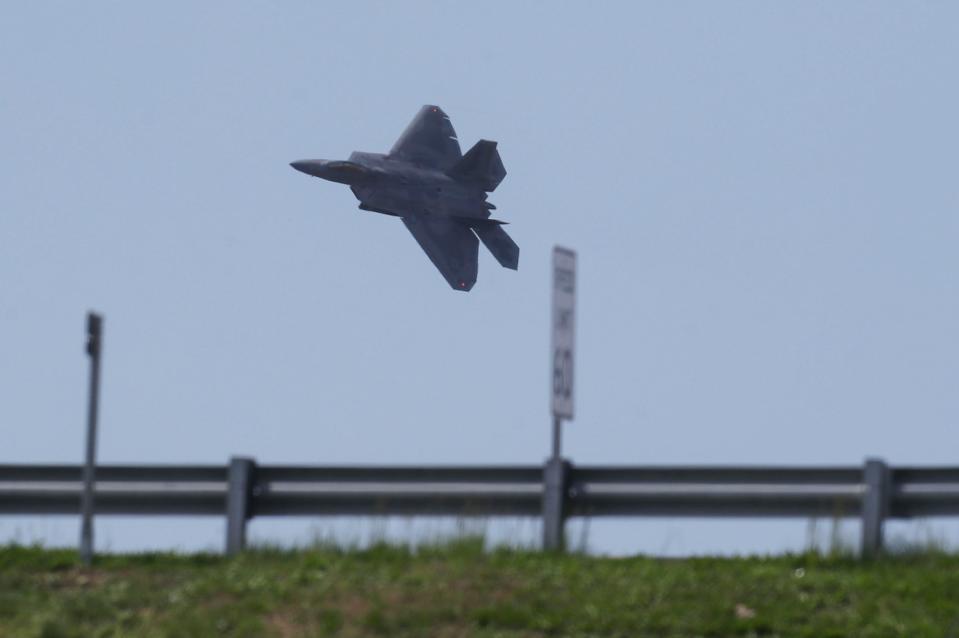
(502,246)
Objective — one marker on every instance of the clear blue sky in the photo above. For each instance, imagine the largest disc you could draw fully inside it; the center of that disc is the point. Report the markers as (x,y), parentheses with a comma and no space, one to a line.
(763,197)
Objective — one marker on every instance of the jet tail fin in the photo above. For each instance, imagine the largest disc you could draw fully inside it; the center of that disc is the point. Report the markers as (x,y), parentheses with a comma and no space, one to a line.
(481,165)
(502,246)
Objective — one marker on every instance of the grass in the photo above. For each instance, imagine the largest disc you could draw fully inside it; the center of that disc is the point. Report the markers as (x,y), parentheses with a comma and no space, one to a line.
(458,589)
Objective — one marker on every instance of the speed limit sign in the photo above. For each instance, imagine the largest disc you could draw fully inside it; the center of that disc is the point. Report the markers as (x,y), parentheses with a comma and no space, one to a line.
(564,315)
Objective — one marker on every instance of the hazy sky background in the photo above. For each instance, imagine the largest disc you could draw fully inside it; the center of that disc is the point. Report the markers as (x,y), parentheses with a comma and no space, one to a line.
(763,197)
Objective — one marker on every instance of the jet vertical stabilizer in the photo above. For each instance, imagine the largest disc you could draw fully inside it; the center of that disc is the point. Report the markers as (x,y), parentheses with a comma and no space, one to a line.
(481,166)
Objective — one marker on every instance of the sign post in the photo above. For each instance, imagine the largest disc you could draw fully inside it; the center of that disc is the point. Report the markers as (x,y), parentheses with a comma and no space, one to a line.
(94,348)
(561,358)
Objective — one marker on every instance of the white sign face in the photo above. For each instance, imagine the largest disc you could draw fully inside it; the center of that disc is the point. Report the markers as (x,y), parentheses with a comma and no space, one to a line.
(564,314)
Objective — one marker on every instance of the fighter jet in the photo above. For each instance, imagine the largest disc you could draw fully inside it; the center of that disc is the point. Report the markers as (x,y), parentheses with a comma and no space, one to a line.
(439,193)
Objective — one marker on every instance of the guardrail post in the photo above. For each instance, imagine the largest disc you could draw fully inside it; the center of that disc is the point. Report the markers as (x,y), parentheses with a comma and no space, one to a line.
(94,349)
(875,505)
(239,491)
(555,481)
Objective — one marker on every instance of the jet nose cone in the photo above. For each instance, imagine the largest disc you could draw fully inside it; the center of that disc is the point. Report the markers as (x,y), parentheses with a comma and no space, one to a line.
(302,165)
(333,170)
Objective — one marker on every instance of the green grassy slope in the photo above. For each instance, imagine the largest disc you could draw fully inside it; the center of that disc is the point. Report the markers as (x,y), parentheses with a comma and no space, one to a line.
(458,590)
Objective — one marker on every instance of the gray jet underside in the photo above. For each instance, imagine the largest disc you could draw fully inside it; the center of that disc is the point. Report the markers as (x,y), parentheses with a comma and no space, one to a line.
(439,193)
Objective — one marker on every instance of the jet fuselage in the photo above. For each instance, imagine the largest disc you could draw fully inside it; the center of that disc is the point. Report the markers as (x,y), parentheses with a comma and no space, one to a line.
(400,188)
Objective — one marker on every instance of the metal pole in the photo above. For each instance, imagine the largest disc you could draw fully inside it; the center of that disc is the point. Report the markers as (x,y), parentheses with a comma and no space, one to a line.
(557,434)
(240,482)
(94,348)
(555,474)
(875,506)
(554,493)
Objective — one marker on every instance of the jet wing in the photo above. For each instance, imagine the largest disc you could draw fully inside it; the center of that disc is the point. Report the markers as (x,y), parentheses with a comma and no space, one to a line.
(429,140)
(450,245)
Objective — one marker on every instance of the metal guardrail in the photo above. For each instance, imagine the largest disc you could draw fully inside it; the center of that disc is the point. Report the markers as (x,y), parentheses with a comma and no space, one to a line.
(558,491)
